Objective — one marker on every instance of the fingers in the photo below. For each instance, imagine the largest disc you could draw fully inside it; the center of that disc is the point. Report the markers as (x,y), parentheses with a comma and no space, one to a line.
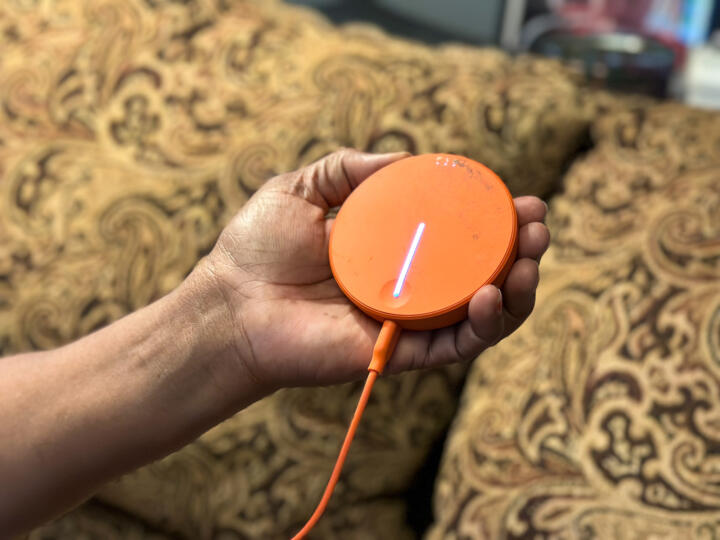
(484,325)
(519,293)
(533,241)
(329,181)
(529,209)
(533,235)
(492,314)
(459,343)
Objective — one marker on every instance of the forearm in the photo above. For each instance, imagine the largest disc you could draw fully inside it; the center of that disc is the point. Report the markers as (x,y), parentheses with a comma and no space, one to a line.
(83,414)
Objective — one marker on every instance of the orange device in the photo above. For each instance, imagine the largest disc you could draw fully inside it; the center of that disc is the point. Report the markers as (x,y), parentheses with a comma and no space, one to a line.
(411,246)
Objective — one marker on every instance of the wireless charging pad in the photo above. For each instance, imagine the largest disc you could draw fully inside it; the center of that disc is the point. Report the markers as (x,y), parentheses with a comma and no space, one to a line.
(417,239)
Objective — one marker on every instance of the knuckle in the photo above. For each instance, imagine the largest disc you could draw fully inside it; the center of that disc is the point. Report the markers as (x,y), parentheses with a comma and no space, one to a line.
(342,153)
(297,185)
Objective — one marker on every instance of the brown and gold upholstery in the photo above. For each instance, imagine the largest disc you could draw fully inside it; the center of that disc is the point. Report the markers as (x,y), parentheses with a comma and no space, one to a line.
(600,418)
(131,130)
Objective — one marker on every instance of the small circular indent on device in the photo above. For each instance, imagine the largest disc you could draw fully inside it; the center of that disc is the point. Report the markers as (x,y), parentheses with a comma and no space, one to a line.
(389,299)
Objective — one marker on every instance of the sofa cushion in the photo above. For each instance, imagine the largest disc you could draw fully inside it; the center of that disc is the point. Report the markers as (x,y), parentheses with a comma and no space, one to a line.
(97,521)
(600,418)
(130,132)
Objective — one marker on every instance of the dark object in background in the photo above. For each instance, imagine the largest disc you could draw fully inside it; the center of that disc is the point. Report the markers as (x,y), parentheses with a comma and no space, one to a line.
(620,61)
(629,46)
(393,21)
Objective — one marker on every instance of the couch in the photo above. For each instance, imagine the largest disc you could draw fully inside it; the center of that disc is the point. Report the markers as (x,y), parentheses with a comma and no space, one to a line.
(130,132)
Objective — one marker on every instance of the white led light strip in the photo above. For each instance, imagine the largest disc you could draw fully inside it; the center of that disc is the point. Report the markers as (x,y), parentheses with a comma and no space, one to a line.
(408,260)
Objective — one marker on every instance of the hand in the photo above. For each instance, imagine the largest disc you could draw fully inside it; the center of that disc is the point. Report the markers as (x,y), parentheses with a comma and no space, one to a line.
(295,327)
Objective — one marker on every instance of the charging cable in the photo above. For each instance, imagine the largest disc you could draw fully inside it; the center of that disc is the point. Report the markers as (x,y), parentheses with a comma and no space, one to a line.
(384,347)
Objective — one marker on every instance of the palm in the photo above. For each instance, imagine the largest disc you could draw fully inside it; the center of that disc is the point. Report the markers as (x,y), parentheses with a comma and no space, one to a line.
(283,281)
(301,329)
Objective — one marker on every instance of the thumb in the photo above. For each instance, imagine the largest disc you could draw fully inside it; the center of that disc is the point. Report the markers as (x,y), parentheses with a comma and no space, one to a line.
(329,181)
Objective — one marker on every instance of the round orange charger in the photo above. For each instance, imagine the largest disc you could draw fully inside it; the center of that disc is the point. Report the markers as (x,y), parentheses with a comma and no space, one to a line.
(410,247)
(417,239)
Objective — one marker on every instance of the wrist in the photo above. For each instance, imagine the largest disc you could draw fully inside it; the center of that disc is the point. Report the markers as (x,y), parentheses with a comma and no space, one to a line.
(217,340)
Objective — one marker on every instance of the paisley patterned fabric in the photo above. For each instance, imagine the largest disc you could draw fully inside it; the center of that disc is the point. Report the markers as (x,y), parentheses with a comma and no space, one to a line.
(96,521)
(600,418)
(130,132)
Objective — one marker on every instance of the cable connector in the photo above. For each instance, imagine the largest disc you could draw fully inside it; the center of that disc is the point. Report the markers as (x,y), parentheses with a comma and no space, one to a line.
(384,346)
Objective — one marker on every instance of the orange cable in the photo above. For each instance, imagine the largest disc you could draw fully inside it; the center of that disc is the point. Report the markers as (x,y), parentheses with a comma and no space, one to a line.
(384,346)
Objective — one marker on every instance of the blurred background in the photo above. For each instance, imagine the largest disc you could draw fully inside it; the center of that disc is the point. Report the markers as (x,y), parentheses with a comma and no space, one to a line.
(664,48)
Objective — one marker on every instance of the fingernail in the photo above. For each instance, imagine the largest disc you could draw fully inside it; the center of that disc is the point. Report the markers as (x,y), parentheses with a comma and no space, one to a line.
(392,154)
(499,304)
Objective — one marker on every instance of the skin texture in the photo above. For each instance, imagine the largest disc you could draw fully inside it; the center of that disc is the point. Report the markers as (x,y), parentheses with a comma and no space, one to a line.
(259,313)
